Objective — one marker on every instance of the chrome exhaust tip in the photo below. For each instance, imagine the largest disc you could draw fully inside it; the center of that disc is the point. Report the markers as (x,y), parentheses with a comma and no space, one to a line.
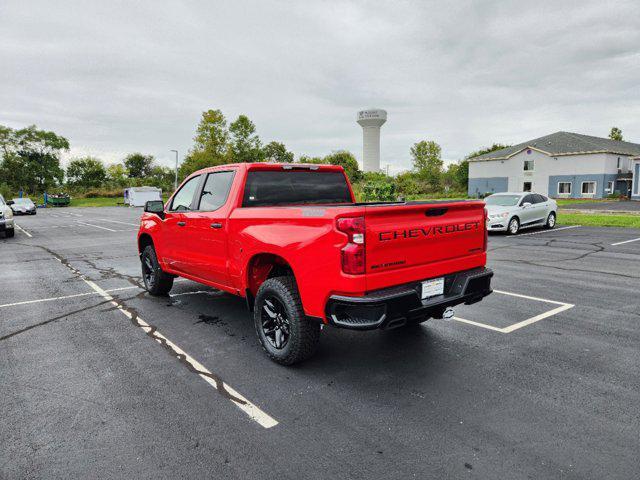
(448,313)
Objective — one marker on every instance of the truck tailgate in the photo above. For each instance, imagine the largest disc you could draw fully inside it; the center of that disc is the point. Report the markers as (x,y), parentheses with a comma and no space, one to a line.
(411,242)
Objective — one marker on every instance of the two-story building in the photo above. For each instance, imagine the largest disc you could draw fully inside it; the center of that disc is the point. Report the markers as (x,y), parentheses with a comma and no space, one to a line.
(561,165)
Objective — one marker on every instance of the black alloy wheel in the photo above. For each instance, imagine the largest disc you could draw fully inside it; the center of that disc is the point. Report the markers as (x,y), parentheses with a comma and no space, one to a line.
(275,324)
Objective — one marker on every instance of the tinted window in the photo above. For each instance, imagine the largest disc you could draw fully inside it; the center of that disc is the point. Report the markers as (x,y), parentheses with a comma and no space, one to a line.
(295,188)
(183,198)
(527,199)
(538,198)
(215,191)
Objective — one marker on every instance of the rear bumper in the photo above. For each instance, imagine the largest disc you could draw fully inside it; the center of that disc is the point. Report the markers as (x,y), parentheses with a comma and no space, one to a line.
(395,306)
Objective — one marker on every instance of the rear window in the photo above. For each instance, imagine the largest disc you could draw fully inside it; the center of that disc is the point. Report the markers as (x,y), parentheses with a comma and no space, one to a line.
(295,188)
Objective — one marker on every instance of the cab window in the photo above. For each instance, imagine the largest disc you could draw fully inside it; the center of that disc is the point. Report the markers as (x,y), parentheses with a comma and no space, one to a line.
(183,198)
(215,191)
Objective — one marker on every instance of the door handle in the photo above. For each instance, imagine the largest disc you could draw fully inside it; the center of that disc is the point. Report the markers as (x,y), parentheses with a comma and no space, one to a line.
(216,225)
(182,224)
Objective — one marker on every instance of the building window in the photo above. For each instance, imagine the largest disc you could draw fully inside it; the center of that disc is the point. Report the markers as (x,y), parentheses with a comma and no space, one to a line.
(609,187)
(618,167)
(564,188)
(528,165)
(526,187)
(588,188)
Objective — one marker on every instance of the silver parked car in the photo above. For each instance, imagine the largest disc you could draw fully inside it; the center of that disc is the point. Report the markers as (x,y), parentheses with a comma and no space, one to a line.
(6,218)
(23,206)
(510,211)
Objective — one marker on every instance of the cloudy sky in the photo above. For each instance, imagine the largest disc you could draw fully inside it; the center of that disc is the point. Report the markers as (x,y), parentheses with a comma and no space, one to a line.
(116,77)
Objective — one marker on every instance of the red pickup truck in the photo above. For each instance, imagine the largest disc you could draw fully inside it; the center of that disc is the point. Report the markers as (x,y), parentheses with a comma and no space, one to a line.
(292,240)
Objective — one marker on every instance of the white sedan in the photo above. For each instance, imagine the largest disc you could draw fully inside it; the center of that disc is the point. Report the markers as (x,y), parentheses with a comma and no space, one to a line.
(509,211)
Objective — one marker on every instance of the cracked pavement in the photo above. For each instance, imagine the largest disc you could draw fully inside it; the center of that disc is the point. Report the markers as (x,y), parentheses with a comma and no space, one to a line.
(89,393)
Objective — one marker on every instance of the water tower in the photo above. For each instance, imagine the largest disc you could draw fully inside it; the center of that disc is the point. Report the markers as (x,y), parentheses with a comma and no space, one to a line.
(371,121)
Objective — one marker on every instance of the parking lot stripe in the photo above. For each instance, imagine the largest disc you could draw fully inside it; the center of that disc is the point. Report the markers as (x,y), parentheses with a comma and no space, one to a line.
(545,231)
(236,398)
(511,328)
(96,226)
(537,318)
(477,324)
(626,241)
(23,230)
(253,411)
(64,297)
(537,299)
(50,299)
(123,223)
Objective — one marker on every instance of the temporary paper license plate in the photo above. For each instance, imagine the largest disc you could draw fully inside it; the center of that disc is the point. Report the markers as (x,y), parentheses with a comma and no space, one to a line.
(433,287)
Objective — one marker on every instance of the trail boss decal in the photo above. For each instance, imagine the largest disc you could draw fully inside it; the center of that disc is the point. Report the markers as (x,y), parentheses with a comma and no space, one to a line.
(428,231)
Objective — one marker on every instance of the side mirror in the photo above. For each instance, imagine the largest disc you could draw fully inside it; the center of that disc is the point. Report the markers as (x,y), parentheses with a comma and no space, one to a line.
(10,202)
(526,205)
(155,206)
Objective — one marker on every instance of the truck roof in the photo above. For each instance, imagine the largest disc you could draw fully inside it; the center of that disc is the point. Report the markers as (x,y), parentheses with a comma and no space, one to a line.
(274,166)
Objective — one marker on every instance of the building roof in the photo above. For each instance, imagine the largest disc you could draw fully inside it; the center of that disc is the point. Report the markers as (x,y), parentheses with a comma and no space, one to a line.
(565,143)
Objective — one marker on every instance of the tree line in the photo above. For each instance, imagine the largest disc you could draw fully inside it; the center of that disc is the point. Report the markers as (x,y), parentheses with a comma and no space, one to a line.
(31,162)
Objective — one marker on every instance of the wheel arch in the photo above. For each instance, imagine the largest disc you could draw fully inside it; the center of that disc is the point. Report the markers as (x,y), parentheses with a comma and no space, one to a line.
(261,267)
(144,241)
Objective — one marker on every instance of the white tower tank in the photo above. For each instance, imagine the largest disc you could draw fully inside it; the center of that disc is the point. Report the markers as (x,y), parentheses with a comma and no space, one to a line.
(371,121)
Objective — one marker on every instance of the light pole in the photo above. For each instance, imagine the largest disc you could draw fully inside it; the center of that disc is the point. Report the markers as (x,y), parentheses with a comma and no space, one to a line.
(175,183)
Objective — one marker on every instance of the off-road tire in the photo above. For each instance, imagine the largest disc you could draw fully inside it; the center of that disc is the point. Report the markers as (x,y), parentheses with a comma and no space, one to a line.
(9,232)
(550,223)
(304,334)
(158,283)
(509,230)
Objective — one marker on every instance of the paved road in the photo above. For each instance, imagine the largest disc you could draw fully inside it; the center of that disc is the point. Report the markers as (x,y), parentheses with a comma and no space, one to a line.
(88,393)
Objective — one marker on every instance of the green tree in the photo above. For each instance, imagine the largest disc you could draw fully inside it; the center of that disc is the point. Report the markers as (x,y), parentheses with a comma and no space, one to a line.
(245,145)
(277,152)
(86,172)
(31,158)
(117,175)
(312,160)
(212,135)
(161,177)
(615,134)
(211,144)
(347,161)
(138,165)
(492,148)
(456,176)
(427,163)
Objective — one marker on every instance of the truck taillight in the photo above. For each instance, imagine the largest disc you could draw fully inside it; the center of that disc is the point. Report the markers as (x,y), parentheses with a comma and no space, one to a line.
(486,229)
(353,258)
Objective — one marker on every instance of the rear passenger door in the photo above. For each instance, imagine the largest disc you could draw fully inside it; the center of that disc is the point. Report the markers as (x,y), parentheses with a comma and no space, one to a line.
(540,208)
(207,229)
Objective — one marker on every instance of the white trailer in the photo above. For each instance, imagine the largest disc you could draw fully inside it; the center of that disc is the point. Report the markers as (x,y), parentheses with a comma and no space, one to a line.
(138,196)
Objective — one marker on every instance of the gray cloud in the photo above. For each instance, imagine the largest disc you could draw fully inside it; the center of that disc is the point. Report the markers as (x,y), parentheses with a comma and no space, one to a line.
(116,77)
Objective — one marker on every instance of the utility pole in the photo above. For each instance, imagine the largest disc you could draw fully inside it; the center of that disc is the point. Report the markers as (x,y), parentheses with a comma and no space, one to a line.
(175,183)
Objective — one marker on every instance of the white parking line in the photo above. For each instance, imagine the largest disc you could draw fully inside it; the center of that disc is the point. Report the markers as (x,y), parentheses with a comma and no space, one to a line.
(23,230)
(123,223)
(252,410)
(626,241)
(96,226)
(63,297)
(511,328)
(545,231)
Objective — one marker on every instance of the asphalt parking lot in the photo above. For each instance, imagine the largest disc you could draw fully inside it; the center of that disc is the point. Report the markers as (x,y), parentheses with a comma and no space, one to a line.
(540,380)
